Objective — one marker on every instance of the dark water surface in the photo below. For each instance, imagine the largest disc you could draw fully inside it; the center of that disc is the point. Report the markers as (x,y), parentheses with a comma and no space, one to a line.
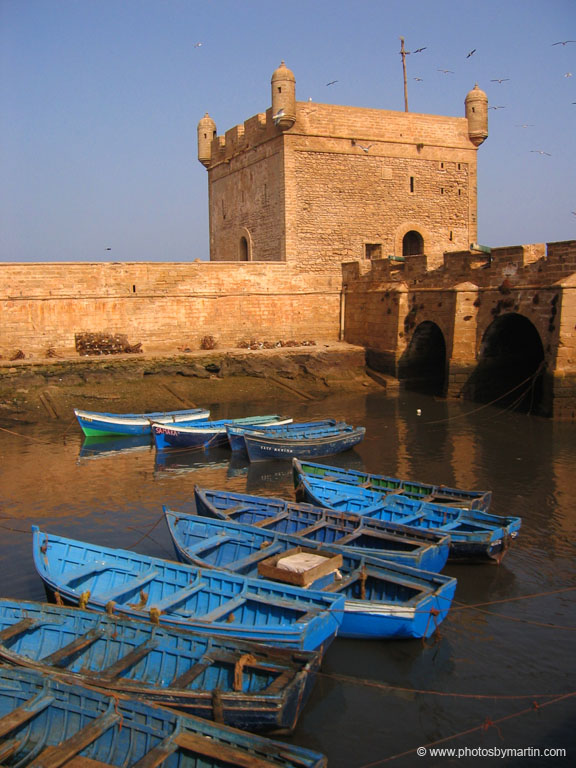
(495,674)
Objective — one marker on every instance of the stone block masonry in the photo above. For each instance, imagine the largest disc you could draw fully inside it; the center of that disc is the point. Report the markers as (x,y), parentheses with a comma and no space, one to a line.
(164,307)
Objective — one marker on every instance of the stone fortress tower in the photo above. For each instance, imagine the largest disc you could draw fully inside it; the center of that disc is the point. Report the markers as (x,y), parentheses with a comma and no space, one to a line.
(320,184)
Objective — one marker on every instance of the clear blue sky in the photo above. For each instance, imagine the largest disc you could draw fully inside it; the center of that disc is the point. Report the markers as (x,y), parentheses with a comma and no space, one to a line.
(100,99)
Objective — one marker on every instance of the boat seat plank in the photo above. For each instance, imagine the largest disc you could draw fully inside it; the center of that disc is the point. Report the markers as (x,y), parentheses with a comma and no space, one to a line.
(179,596)
(128,586)
(84,570)
(223,609)
(157,755)
(209,542)
(279,683)
(59,657)
(312,528)
(7,749)
(208,747)
(18,629)
(271,520)
(255,557)
(295,605)
(131,658)
(54,757)
(184,680)
(25,712)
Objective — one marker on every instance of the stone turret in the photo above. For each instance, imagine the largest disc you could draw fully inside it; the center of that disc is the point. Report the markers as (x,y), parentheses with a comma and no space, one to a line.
(206,132)
(283,97)
(477,115)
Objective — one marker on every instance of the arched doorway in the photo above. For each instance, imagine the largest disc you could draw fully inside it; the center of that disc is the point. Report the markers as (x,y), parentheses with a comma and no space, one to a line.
(510,371)
(422,367)
(244,251)
(412,243)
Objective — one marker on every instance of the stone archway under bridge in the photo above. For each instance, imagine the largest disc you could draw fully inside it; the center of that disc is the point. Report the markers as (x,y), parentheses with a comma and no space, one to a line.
(422,366)
(511,368)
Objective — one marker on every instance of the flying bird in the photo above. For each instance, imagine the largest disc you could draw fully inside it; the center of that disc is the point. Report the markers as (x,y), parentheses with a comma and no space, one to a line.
(541,152)
(278,116)
(419,50)
(197,45)
(526,125)
(419,79)
(500,80)
(355,144)
(472,52)
(332,82)
(446,71)
(568,74)
(564,42)
(496,107)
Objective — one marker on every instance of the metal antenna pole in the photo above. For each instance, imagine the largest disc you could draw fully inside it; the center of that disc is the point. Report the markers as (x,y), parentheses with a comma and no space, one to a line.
(404,53)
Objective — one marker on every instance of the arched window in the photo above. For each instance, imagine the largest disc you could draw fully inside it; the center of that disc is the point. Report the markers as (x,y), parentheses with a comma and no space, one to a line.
(244,250)
(412,243)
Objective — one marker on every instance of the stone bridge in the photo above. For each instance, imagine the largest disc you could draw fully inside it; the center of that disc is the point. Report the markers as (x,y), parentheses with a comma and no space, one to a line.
(487,325)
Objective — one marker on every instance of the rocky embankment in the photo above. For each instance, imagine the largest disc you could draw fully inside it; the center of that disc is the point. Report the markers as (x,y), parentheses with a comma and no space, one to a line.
(35,390)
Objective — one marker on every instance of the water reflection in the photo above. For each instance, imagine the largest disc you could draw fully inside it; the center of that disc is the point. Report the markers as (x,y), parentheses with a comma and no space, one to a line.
(506,646)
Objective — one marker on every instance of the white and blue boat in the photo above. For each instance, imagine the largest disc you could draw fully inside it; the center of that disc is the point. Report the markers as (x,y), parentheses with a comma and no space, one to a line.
(282,443)
(413,489)
(236,432)
(358,534)
(178,595)
(383,599)
(94,423)
(260,688)
(207,434)
(46,722)
(475,536)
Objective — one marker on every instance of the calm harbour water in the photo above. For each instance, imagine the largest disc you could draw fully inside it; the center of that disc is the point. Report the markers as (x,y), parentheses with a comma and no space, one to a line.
(373,701)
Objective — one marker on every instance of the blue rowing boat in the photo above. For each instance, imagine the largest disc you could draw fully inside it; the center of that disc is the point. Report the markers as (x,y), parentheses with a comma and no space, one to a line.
(257,687)
(358,534)
(236,432)
(279,443)
(413,489)
(178,595)
(206,434)
(384,600)
(46,722)
(94,423)
(475,536)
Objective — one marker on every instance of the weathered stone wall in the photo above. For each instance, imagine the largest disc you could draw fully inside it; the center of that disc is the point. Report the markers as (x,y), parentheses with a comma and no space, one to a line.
(166,307)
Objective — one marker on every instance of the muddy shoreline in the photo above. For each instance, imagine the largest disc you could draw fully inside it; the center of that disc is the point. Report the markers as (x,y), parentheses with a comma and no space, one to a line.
(32,391)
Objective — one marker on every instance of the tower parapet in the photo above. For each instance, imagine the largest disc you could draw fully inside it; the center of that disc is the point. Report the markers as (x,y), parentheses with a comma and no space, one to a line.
(283,97)
(477,115)
(206,133)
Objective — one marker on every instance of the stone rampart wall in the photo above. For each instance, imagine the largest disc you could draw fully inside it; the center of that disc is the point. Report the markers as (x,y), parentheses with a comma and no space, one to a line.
(165,307)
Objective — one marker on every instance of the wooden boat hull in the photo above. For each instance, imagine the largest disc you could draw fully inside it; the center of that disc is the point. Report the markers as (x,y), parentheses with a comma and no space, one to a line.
(475,536)
(205,434)
(93,423)
(259,688)
(235,432)
(383,600)
(174,594)
(261,447)
(356,533)
(413,489)
(46,722)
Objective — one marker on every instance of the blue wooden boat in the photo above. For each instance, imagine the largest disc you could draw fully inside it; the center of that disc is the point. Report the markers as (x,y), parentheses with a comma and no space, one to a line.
(236,432)
(94,423)
(439,494)
(46,722)
(279,443)
(206,434)
(179,595)
(383,599)
(358,534)
(257,687)
(475,536)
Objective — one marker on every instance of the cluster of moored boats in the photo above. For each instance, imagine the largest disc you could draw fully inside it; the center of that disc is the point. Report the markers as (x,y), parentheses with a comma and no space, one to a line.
(195,662)
(261,438)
